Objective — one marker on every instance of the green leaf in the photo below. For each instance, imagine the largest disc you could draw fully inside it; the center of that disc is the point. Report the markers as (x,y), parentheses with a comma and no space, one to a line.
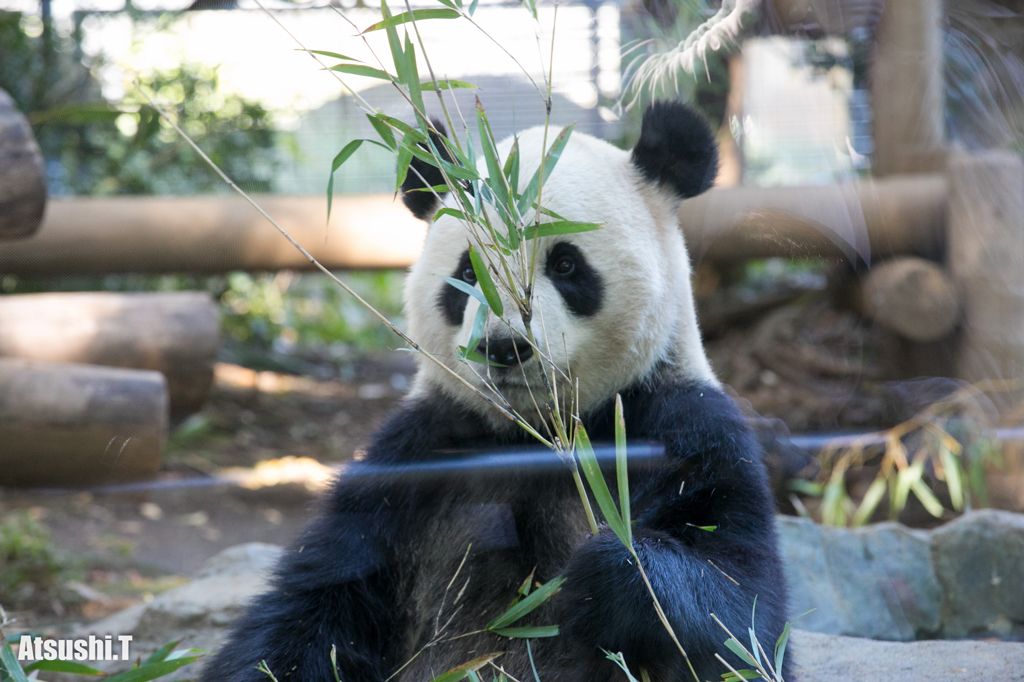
(536,598)
(340,159)
(9,663)
(153,671)
(332,55)
(472,7)
(524,589)
(780,647)
(415,15)
(927,498)
(622,469)
(737,649)
(528,632)
(743,675)
(473,356)
(362,70)
(411,77)
(806,487)
(495,178)
(483,278)
(531,5)
(529,196)
(447,84)
(405,154)
(162,653)
(386,134)
(559,227)
(598,486)
(953,480)
(453,212)
(467,288)
(870,502)
(63,667)
(451,676)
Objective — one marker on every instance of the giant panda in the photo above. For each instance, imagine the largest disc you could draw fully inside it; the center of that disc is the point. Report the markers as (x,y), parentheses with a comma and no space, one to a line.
(399,578)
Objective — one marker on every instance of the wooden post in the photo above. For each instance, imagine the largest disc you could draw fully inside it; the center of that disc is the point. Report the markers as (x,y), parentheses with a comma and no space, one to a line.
(907,92)
(22,175)
(73,425)
(986,257)
(177,334)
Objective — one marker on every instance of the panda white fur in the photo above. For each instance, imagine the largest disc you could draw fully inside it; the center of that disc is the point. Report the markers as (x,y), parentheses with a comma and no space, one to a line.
(372,576)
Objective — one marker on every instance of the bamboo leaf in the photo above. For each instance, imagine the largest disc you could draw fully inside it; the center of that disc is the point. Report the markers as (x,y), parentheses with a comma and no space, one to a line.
(455,213)
(415,15)
(954,482)
(477,333)
(332,55)
(460,672)
(447,84)
(598,486)
(529,196)
(405,155)
(780,647)
(528,632)
(528,604)
(622,469)
(412,79)
(870,502)
(153,671)
(362,70)
(495,178)
(340,159)
(386,134)
(162,653)
(483,278)
(472,7)
(64,667)
(467,288)
(927,498)
(559,227)
(737,649)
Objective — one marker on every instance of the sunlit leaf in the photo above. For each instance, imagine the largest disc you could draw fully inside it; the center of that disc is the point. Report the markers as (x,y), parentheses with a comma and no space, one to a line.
(483,278)
(415,15)
(737,649)
(529,196)
(340,159)
(528,632)
(927,498)
(598,486)
(870,502)
(152,671)
(622,469)
(780,647)
(361,70)
(525,606)
(332,55)
(447,84)
(64,667)
(954,482)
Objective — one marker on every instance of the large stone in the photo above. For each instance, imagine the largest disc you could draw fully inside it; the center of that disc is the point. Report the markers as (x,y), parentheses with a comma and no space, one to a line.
(826,658)
(874,582)
(197,613)
(979,562)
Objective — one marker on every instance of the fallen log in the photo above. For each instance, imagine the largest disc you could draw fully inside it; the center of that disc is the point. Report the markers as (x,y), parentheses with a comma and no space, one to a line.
(22,175)
(177,334)
(87,235)
(914,297)
(74,425)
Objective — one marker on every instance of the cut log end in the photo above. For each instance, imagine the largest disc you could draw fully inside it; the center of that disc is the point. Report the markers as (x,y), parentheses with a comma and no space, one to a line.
(914,297)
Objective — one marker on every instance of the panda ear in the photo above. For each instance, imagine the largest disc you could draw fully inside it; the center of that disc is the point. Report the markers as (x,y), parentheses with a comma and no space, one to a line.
(677,148)
(422,202)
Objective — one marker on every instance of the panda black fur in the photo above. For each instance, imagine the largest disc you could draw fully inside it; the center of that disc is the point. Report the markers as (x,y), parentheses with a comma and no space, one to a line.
(373,575)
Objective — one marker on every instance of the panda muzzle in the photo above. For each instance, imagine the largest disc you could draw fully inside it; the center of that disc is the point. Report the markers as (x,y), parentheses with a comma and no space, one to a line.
(508,352)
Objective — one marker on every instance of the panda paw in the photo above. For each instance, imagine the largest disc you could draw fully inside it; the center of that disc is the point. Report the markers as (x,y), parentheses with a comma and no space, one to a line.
(605,601)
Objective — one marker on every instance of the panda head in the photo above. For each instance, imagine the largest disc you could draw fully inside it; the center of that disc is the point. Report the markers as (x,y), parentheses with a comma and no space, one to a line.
(612,306)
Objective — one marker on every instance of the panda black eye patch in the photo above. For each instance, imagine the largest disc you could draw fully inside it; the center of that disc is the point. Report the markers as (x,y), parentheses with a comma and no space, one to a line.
(578,283)
(452,302)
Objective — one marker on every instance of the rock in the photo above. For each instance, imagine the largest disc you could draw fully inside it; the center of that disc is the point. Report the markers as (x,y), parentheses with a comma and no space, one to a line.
(979,561)
(824,658)
(874,582)
(197,613)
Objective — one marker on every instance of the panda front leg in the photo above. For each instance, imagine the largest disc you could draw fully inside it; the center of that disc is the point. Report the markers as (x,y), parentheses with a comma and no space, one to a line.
(332,590)
(716,479)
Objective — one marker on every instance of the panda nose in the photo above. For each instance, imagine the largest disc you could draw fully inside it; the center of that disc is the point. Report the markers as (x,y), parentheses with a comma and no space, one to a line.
(506,351)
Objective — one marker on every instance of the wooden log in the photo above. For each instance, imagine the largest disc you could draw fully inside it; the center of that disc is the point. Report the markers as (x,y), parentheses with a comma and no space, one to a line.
(899,215)
(907,88)
(213,234)
(177,334)
(912,296)
(22,175)
(220,234)
(73,425)
(986,257)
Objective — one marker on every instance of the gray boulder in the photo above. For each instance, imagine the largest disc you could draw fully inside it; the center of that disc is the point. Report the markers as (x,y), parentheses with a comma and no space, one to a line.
(875,582)
(979,561)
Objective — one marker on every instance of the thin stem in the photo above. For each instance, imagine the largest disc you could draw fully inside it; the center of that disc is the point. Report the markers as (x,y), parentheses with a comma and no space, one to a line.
(661,613)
